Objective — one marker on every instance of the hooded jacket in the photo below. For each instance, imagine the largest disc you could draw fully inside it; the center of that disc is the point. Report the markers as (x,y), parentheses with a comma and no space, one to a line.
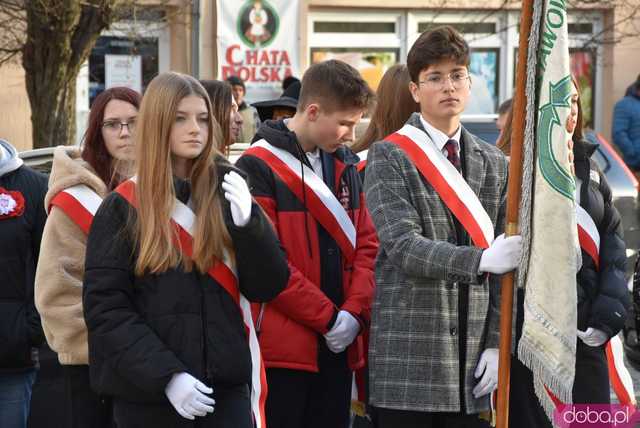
(58,286)
(322,281)
(626,126)
(22,219)
(145,328)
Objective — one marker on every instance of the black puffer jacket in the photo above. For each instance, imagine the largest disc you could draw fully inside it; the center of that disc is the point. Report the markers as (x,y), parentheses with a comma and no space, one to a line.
(143,329)
(20,235)
(603,298)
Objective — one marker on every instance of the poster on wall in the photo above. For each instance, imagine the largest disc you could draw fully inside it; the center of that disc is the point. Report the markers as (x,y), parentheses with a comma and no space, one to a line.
(123,70)
(258,42)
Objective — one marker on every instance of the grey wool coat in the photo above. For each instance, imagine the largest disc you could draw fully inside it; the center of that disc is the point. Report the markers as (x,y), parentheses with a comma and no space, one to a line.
(413,349)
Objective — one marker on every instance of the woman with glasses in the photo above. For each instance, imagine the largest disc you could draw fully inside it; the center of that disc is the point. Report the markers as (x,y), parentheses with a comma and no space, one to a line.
(93,171)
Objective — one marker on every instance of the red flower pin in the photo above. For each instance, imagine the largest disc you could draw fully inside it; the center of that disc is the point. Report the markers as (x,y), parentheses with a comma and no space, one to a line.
(11,203)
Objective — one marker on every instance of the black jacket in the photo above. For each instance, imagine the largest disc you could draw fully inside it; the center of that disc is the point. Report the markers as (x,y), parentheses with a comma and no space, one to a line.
(603,298)
(143,329)
(20,328)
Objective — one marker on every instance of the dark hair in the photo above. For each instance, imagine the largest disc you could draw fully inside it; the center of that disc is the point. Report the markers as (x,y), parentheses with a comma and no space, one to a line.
(94,151)
(288,81)
(505,106)
(578,135)
(236,81)
(394,105)
(336,85)
(441,43)
(220,94)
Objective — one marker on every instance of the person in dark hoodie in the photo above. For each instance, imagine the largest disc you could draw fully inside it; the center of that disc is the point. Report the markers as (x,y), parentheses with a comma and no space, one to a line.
(305,178)
(603,299)
(626,126)
(171,256)
(22,219)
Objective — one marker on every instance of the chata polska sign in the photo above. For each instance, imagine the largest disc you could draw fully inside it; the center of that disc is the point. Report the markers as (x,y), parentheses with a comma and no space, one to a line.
(253,47)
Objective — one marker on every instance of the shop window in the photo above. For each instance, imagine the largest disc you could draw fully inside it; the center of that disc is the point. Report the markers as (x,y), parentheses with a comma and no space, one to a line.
(485,81)
(370,62)
(354,27)
(462,27)
(145,48)
(585,28)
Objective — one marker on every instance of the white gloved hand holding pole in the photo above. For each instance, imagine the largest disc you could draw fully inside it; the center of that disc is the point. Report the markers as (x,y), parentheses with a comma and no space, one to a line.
(237,193)
(502,256)
(593,337)
(488,365)
(343,333)
(187,395)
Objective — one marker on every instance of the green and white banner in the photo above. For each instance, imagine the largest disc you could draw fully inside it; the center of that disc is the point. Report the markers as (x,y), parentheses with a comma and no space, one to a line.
(548,342)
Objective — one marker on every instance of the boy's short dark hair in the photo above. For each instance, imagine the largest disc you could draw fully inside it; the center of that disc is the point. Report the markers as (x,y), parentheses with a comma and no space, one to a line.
(336,86)
(236,81)
(440,43)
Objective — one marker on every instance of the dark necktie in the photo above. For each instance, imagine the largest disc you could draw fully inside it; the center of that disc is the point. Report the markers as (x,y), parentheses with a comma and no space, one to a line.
(452,153)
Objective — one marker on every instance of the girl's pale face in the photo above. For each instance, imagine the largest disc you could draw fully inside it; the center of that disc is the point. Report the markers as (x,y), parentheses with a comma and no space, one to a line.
(235,122)
(190,129)
(116,136)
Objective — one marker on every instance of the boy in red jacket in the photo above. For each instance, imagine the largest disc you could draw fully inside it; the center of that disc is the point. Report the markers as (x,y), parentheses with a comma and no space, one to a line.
(304,176)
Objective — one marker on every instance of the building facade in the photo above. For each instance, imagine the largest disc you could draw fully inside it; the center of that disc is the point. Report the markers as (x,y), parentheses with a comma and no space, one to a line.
(370,34)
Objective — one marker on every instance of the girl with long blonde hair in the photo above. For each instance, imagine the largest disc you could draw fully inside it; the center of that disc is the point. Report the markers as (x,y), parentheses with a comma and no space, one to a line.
(168,254)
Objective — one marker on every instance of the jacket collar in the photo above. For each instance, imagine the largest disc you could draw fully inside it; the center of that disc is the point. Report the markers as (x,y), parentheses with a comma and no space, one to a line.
(278,135)
(582,152)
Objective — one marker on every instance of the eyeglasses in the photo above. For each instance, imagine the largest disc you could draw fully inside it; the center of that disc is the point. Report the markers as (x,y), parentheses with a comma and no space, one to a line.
(115,126)
(436,81)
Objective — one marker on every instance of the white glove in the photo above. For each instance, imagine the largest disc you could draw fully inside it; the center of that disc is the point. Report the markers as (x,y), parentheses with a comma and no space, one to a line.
(489,365)
(593,337)
(502,256)
(237,193)
(343,333)
(186,394)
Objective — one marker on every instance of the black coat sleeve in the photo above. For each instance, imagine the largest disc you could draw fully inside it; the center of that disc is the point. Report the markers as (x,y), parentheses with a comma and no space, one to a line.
(119,338)
(39,183)
(261,261)
(612,302)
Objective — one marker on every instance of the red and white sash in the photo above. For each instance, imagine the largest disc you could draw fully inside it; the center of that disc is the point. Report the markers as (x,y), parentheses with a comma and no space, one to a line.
(322,203)
(588,235)
(447,182)
(223,272)
(80,203)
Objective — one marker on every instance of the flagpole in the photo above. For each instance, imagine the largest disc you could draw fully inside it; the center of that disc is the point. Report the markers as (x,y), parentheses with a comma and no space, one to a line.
(513,201)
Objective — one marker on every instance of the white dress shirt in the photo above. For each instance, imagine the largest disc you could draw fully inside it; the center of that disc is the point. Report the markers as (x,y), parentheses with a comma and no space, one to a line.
(440,138)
